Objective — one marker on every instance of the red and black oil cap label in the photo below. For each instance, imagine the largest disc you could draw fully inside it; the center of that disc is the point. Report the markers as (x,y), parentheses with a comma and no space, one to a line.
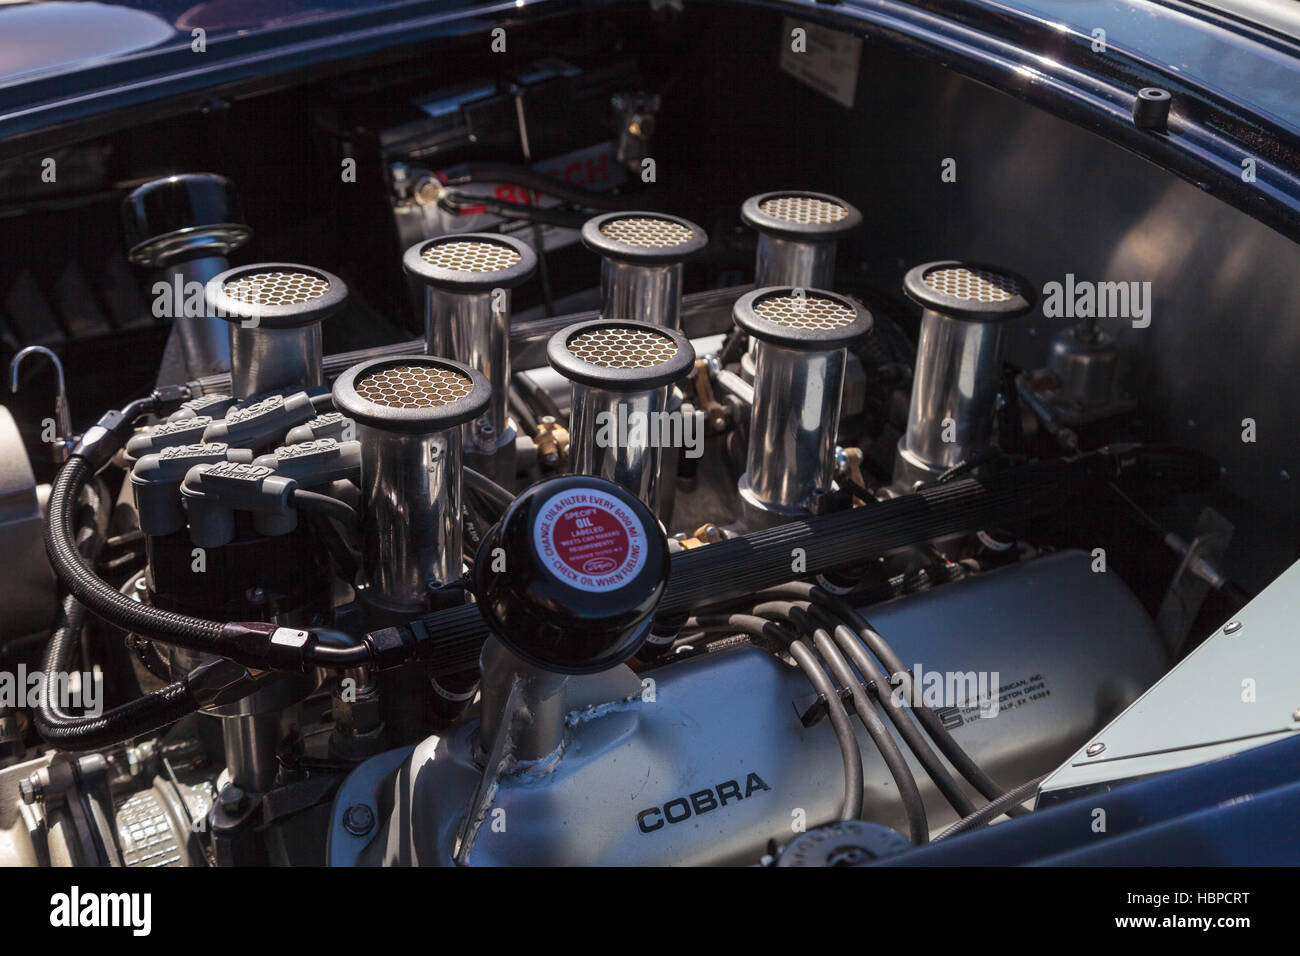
(590,540)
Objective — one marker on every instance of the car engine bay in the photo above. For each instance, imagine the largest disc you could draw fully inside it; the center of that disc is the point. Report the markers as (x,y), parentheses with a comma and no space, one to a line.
(619,448)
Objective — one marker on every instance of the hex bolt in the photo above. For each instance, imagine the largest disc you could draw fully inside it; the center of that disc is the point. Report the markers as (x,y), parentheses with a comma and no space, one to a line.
(1094,749)
(29,790)
(232,798)
(358,819)
(1232,627)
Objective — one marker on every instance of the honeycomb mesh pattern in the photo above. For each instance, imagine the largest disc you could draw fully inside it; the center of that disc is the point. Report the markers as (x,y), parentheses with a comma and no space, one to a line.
(413,386)
(804,210)
(277,288)
(975,285)
(805,312)
(646,232)
(617,347)
(470,255)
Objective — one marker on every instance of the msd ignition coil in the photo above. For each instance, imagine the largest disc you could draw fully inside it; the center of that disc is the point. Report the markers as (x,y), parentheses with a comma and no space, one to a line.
(275,310)
(263,423)
(467,279)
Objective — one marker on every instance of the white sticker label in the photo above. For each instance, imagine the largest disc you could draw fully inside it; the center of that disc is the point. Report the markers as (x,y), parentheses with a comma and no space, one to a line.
(590,540)
(827,60)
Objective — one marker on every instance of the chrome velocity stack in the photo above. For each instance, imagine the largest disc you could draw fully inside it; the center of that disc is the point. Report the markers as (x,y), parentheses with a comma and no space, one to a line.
(621,427)
(798,233)
(958,364)
(274,311)
(641,269)
(797,236)
(801,339)
(467,280)
(409,412)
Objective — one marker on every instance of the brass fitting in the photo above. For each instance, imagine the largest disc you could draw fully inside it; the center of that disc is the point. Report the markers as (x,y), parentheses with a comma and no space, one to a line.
(704,534)
(552,441)
(854,470)
(714,413)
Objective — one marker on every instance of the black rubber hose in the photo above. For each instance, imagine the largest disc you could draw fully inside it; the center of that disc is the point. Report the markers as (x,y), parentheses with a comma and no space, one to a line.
(456,203)
(481,172)
(994,809)
(904,780)
(851,807)
(481,509)
(537,398)
(141,716)
(101,598)
(491,492)
(316,503)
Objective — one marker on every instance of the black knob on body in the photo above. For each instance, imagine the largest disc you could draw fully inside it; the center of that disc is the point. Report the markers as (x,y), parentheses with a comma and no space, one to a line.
(183,217)
(581,569)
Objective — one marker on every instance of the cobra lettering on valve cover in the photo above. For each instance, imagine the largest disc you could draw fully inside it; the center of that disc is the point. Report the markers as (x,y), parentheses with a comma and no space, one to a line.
(681,809)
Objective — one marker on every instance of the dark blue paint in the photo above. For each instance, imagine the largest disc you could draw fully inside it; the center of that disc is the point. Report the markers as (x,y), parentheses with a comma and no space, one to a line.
(1240,810)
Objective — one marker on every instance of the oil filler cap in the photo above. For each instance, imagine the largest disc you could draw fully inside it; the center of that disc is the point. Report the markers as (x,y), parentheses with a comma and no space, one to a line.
(845,843)
(580,569)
